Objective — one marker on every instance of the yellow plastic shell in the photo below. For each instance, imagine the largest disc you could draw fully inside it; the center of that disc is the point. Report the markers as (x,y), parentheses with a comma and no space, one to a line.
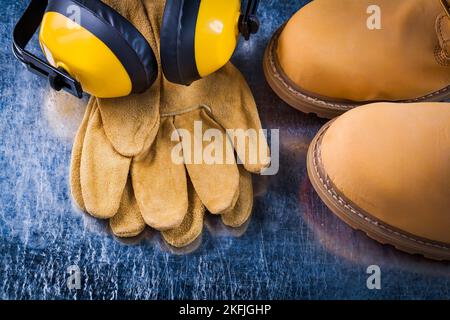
(84,56)
(216,34)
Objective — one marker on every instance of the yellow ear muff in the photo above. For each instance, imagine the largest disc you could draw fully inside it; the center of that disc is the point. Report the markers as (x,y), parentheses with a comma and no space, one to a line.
(216,34)
(109,57)
(198,37)
(84,56)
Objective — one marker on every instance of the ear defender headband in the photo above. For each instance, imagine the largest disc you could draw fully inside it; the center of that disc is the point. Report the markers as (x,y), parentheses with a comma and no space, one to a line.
(89,47)
(198,37)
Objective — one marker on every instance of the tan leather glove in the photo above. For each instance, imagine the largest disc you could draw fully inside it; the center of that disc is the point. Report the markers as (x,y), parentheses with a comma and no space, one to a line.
(114,133)
(116,139)
(181,193)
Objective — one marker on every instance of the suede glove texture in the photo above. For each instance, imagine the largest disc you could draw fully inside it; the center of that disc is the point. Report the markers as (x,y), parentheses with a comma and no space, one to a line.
(122,162)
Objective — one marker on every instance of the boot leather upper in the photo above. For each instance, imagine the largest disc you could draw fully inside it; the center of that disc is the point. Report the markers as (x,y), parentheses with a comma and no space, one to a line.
(393,162)
(327,49)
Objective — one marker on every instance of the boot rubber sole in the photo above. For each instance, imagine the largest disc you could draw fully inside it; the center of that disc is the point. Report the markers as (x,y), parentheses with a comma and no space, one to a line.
(358,219)
(307,102)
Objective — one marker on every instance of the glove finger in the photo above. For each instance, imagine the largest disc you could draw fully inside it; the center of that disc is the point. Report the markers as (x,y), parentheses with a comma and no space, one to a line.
(128,221)
(154,12)
(237,111)
(242,211)
(215,180)
(217,228)
(103,172)
(192,225)
(75,162)
(160,184)
(131,123)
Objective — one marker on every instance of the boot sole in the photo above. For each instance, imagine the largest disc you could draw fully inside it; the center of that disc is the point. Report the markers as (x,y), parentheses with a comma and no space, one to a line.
(307,102)
(358,219)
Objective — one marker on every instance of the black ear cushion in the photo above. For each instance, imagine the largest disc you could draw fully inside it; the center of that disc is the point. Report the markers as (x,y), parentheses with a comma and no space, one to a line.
(178,41)
(129,45)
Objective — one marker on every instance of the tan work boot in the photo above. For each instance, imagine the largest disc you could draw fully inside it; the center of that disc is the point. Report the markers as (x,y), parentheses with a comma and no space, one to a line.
(384,168)
(333,56)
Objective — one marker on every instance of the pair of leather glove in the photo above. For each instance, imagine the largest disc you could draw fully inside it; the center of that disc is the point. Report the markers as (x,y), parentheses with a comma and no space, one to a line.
(122,162)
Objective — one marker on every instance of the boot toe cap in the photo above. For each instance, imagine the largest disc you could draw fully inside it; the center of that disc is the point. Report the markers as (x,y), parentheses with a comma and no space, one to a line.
(392,162)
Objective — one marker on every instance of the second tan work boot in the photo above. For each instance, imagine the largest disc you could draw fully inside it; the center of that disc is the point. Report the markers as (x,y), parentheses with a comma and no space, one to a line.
(333,56)
(385,169)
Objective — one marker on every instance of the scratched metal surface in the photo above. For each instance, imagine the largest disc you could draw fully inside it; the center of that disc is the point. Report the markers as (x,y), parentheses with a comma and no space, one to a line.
(294,248)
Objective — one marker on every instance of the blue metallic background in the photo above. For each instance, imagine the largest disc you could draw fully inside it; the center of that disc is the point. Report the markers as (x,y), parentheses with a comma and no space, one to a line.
(294,248)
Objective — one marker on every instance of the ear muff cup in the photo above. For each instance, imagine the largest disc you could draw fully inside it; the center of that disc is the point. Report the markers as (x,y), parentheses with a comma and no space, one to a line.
(178,41)
(198,37)
(126,43)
